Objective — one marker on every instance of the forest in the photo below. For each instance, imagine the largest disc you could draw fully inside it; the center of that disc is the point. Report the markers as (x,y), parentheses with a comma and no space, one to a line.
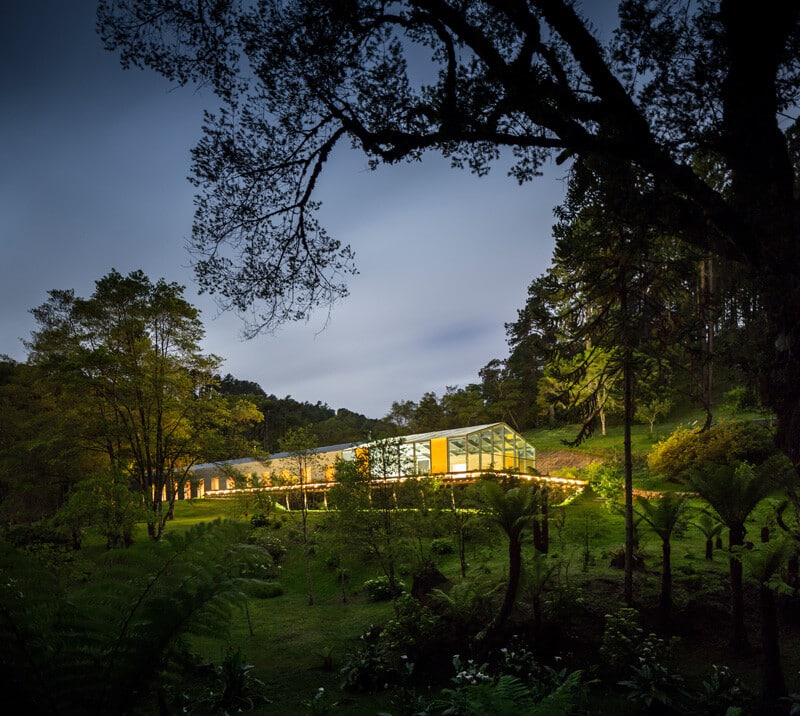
(659,355)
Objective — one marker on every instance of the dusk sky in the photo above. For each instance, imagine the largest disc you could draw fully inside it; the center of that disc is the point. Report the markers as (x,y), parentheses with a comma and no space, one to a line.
(93,167)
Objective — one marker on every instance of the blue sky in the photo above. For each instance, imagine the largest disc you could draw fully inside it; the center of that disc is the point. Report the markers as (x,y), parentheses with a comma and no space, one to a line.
(93,167)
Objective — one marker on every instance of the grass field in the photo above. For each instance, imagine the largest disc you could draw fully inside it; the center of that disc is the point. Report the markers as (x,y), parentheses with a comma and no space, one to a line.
(297,649)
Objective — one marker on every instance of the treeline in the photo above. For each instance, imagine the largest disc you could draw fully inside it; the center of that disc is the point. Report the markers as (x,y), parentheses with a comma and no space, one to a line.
(329,426)
(112,408)
(692,323)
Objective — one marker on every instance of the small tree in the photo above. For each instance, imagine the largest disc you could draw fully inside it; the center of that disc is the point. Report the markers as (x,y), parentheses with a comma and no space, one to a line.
(733,492)
(663,516)
(711,529)
(105,501)
(651,411)
(511,510)
(367,514)
(763,565)
(300,443)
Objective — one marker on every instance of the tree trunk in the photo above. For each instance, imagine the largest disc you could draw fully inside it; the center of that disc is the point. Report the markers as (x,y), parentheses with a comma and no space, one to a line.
(665,602)
(629,527)
(793,571)
(739,638)
(514,574)
(706,298)
(306,554)
(545,513)
(709,548)
(773,683)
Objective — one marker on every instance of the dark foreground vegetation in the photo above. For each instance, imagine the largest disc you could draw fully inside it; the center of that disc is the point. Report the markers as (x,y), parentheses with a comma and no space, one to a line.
(415,607)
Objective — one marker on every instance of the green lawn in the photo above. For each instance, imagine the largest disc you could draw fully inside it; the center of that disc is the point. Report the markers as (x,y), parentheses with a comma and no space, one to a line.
(297,649)
(642,440)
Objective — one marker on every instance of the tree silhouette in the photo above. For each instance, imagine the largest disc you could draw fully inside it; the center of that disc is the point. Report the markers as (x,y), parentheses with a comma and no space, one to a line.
(663,516)
(512,511)
(680,86)
(733,492)
(762,566)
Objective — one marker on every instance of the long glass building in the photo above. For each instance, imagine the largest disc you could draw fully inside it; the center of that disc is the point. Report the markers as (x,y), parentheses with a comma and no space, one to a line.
(460,452)
(480,448)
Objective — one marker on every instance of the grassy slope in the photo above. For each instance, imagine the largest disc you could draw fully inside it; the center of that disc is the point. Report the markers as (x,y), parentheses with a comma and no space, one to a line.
(291,639)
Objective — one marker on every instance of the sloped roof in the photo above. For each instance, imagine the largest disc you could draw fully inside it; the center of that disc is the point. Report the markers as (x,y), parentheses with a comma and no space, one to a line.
(416,437)
(450,433)
(274,456)
(316,451)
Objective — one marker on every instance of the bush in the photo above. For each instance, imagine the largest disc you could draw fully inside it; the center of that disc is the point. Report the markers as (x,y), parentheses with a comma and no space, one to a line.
(379,590)
(264,538)
(259,520)
(605,480)
(412,626)
(622,637)
(442,546)
(368,668)
(476,692)
(266,590)
(721,692)
(741,399)
(653,684)
(35,535)
(229,687)
(726,443)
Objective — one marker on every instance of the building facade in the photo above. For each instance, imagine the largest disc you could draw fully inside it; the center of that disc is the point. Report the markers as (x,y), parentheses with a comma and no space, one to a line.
(458,453)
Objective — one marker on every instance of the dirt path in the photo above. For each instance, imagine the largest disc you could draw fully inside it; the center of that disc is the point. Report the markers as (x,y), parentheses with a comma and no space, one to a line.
(548,461)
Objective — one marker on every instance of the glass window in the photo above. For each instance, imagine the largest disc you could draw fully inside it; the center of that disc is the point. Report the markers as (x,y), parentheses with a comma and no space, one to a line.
(511,451)
(498,447)
(487,459)
(474,452)
(422,457)
(457,450)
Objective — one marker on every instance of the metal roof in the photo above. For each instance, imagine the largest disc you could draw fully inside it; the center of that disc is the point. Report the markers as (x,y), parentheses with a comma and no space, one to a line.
(416,437)
(275,456)
(451,433)
(315,451)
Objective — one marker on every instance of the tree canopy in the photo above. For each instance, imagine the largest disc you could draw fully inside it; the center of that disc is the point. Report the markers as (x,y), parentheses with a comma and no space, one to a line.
(698,97)
(127,363)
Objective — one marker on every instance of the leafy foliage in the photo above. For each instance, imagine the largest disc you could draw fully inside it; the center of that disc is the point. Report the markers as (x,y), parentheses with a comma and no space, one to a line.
(114,643)
(536,693)
(726,443)
(379,589)
(127,362)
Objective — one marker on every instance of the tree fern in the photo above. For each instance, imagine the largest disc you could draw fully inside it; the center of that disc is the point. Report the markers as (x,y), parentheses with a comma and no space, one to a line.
(103,648)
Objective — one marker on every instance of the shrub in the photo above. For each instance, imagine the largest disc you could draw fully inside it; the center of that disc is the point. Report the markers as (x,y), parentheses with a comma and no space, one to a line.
(616,557)
(605,480)
(259,520)
(476,692)
(466,606)
(721,693)
(264,538)
(379,590)
(266,590)
(412,626)
(368,668)
(726,443)
(653,683)
(621,639)
(442,546)
(231,688)
(33,536)
(741,399)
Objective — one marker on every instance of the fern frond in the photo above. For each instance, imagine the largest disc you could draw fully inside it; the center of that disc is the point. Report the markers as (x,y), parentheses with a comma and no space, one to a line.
(103,648)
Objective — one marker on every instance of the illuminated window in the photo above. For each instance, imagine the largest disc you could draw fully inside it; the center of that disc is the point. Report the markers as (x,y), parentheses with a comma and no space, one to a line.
(457,453)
